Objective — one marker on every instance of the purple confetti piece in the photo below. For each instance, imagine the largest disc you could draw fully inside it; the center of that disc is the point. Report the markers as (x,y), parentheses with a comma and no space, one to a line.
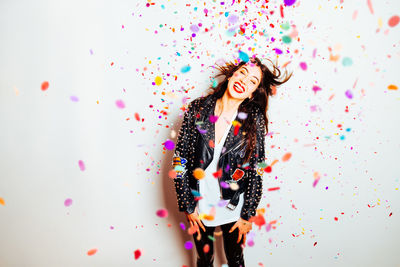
(74,98)
(349,94)
(182,225)
(188,245)
(194,28)
(224,185)
(277,51)
(201,130)
(268,227)
(169,144)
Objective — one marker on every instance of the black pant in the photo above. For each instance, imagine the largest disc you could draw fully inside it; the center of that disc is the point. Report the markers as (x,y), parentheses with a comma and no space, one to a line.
(233,250)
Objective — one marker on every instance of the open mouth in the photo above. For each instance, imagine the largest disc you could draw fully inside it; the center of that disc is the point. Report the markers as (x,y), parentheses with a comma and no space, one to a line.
(238,87)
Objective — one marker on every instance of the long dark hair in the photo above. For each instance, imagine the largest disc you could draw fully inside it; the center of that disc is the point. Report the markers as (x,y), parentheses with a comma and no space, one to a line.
(260,96)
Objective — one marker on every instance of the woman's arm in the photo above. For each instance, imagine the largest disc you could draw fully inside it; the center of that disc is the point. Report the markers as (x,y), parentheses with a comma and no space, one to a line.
(253,190)
(180,162)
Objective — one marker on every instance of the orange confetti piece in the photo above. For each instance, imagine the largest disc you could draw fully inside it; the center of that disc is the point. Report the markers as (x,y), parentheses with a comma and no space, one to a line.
(198,173)
(45,85)
(287,156)
(2,202)
(392,87)
(92,252)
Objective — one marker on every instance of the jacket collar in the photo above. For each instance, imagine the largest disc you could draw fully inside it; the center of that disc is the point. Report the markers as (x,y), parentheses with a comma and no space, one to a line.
(207,128)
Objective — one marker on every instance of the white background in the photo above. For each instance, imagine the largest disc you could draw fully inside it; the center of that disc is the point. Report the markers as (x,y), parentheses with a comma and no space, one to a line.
(72,45)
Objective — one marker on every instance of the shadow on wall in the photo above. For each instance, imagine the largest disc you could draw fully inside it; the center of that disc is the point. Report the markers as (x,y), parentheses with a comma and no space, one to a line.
(176,217)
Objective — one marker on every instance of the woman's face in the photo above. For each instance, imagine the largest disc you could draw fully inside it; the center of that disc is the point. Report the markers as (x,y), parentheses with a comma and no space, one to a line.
(244,81)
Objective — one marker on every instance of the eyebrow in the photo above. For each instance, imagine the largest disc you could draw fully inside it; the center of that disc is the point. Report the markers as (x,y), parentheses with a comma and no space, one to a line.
(253,75)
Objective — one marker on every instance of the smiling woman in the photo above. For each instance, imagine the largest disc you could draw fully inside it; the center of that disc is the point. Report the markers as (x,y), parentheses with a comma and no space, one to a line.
(229,149)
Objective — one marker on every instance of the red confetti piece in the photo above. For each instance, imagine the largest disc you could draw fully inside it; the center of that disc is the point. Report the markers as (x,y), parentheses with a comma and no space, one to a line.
(281,9)
(273,188)
(336,218)
(45,85)
(394,20)
(137,253)
(315,244)
(390,214)
(137,117)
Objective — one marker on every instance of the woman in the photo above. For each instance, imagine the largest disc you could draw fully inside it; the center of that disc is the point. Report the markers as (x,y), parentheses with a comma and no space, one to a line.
(219,158)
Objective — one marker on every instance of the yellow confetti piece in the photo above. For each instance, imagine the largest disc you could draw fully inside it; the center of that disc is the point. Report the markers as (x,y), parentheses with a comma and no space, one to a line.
(158,80)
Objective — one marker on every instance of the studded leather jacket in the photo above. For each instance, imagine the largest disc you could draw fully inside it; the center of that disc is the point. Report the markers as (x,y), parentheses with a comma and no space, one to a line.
(194,149)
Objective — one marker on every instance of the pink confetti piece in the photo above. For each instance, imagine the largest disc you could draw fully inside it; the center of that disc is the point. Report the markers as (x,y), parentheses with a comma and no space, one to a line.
(162,213)
(303,65)
(81,165)
(316,89)
(182,225)
(68,202)
(315,182)
(120,103)
(370,6)
(213,118)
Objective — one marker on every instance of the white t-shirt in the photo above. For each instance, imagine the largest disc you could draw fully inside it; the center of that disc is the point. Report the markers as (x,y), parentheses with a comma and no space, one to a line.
(210,191)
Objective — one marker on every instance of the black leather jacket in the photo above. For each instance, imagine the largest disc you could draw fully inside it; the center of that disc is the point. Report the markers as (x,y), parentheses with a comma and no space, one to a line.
(193,151)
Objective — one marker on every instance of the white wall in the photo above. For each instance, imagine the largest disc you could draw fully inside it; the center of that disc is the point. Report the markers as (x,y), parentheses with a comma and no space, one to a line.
(72,44)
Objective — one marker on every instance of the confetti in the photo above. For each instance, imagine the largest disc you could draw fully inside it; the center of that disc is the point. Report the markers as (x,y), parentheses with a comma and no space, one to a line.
(243,56)
(92,251)
(188,245)
(158,80)
(273,188)
(289,2)
(45,85)
(68,202)
(137,254)
(162,213)
(198,173)
(206,248)
(137,117)
(120,104)
(170,145)
(303,65)
(393,21)
(347,61)
(185,69)
(74,98)
(392,87)
(81,165)
(287,156)
(2,202)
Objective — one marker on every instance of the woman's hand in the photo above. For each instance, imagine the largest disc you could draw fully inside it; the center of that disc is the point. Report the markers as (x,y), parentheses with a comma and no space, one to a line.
(194,220)
(244,227)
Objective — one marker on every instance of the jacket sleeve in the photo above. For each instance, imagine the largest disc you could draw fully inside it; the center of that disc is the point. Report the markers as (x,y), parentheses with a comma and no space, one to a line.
(253,189)
(180,162)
